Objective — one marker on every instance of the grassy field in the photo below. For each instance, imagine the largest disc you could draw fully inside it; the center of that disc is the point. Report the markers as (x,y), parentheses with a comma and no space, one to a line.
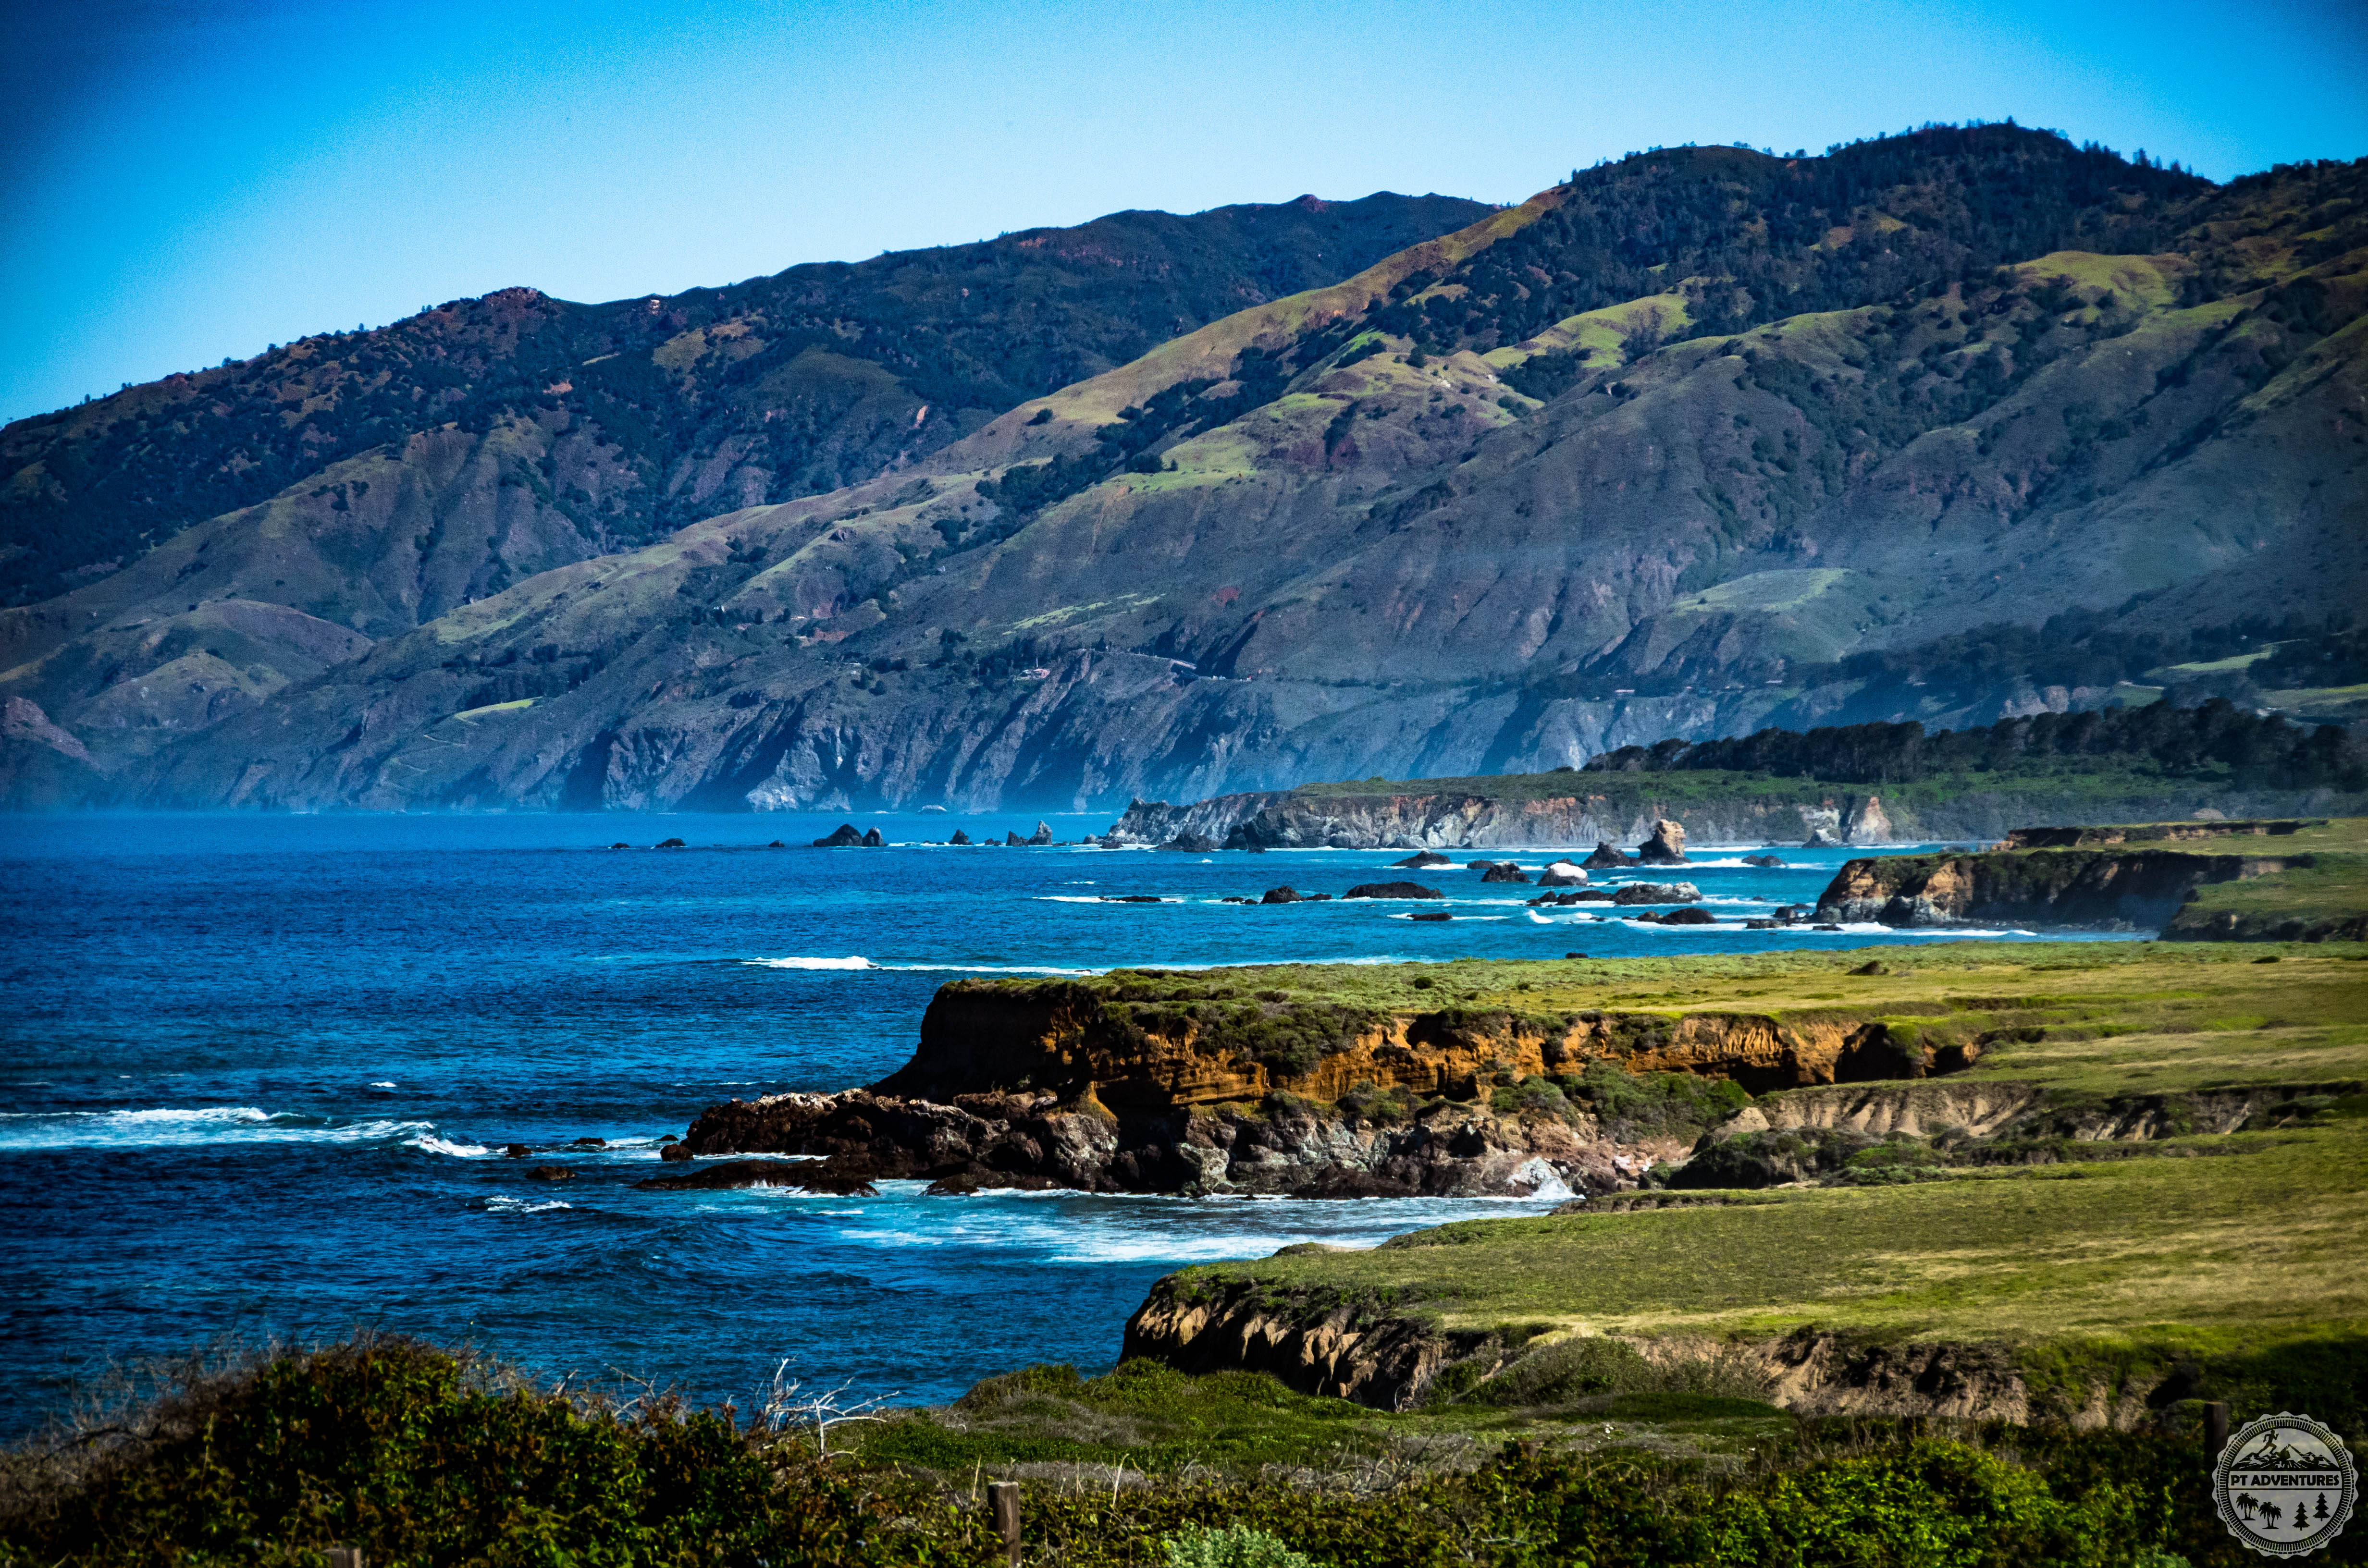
(2249,1240)
(2317,992)
(2220,1250)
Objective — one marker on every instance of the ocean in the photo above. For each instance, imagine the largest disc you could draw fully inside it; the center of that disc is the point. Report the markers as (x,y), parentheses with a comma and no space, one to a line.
(256,1073)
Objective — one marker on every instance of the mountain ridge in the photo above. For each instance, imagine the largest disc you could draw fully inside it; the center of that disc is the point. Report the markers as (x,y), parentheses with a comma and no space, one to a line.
(1296,543)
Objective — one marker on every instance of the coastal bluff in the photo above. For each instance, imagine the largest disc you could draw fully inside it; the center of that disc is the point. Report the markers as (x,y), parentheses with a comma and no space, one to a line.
(2298,879)
(1279,1081)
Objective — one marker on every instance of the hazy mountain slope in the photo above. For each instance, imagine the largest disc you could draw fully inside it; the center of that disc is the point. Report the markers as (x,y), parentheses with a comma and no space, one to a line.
(396,474)
(780,386)
(1378,559)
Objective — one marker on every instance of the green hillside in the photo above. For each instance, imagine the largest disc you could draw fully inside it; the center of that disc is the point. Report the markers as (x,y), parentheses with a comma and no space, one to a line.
(681,405)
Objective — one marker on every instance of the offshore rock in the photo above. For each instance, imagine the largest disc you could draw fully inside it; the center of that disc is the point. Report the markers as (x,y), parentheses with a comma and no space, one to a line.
(1666,847)
(1504,871)
(872,839)
(1191,844)
(1608,858)
(1422,860)
(843,837)
(1044,834)
(1562,874)
(1657,893)
(1392,889)
(1281,895)
(731,1173)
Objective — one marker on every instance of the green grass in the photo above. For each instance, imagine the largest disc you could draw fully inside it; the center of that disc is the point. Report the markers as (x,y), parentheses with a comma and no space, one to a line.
(2251,1242)
(2097,989)
(2330,895)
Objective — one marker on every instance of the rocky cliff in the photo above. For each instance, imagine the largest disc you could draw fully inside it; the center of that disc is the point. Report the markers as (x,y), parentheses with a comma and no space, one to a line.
(1113,1088)
(2112,888)
(1349,1346)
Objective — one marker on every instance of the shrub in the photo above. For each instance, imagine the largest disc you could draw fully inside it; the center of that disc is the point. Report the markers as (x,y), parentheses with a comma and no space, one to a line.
(1229,1545)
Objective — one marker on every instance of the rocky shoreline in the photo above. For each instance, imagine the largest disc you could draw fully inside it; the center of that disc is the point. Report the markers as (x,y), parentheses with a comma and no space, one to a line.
(1446,818)
(1451,819)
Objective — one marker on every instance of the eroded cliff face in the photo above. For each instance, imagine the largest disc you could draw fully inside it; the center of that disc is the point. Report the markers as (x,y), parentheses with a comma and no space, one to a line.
(2050,887)
(1070,1085)
(1321,1342)
(1282,1147)
(1071,1040)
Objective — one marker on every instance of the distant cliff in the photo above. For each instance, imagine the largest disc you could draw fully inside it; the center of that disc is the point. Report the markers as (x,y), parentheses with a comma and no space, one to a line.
(1454,819)
(1569,808)
(2304,880)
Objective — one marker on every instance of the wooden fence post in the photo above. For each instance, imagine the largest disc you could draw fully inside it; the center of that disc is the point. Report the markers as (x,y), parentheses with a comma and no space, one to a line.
(344,1557)
(2216,1429)
(1003,1496)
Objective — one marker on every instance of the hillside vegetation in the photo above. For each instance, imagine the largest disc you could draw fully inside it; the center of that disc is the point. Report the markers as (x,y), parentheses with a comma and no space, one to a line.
(640,415)
(417,1456)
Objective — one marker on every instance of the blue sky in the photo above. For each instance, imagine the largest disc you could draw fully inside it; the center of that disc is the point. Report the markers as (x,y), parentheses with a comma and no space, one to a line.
(188,179)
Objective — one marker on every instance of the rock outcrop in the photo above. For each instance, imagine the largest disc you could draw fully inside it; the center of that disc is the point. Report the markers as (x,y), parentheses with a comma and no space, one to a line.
(1656,893)
(1666,847)
(1321,1341)
(1392,889)
(2130,887)
(844,836)
(1562,874)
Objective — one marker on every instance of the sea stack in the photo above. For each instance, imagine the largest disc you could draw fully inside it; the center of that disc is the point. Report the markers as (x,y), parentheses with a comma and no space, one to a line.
(1666,847)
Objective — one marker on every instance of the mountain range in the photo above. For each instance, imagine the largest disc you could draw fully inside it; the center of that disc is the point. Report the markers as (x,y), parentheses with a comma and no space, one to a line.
(1958,424)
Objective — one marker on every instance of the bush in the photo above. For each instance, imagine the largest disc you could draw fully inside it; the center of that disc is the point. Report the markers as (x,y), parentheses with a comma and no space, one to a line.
(1229,1545)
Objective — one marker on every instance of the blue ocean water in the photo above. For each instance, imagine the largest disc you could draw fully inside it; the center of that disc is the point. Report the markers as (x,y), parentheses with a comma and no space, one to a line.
(255,1072)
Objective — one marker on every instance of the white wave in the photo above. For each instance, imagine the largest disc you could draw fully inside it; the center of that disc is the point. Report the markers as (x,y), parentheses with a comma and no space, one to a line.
(428,1143)
(176,1127)
(1939,933)
(520,1206)
(386,1083)
(849,965)
(850,962)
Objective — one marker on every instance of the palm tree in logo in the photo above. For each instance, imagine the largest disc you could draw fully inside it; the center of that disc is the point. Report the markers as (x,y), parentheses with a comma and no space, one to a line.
(2246,1505)
(2271,1515)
